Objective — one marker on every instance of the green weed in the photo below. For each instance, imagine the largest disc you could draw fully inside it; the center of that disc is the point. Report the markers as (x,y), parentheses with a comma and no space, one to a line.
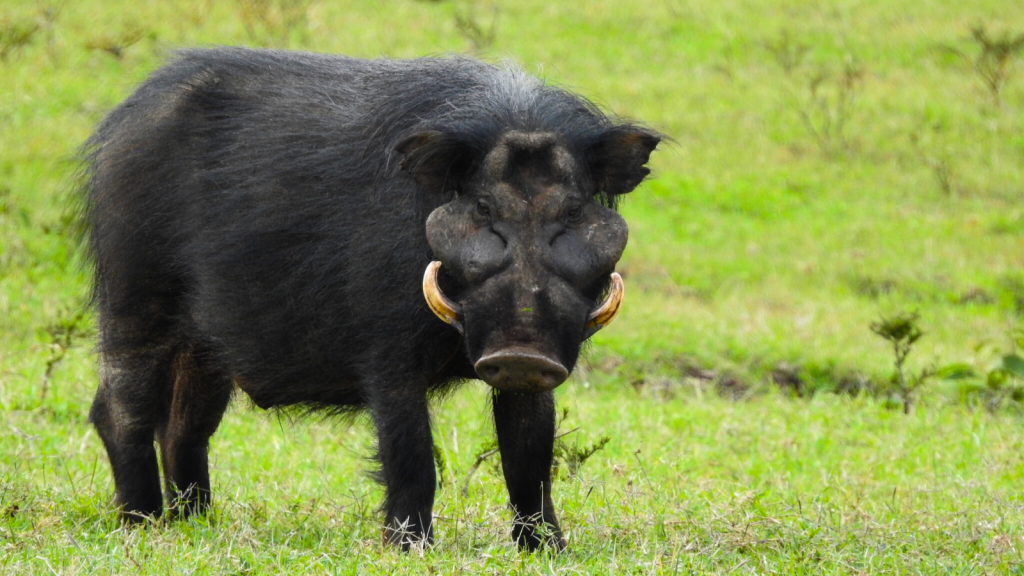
(117,42)
(789,53)
(68,331)
(992,63)
(995,378)
(275,22)
(827,102)
(15,35)
(472,27)
(902,332)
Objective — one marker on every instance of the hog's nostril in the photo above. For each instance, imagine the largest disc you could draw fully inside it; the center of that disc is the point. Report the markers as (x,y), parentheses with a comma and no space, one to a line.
(488,372)
(553,378)
(521,369)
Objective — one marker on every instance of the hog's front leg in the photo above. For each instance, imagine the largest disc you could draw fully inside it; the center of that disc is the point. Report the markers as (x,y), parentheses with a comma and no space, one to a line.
(405,452)
(525,425)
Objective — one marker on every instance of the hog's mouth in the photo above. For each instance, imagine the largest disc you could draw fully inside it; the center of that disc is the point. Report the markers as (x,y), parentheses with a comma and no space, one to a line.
(520,368)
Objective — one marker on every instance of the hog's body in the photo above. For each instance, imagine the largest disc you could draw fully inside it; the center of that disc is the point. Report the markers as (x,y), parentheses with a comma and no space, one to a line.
(259,218)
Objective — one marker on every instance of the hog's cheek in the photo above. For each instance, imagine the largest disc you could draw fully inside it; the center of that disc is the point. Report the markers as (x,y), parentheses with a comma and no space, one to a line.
(586,253)
(574,260)
(482,255)
(606,231)
(447,229)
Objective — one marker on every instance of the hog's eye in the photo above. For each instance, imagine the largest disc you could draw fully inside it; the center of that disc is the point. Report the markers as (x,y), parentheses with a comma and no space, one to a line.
(483,209)
(574,214)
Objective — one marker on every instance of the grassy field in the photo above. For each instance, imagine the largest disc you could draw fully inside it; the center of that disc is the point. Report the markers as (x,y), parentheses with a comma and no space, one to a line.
(833,163)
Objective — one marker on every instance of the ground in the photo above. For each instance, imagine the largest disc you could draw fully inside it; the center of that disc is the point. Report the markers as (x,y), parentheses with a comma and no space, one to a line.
(831,164)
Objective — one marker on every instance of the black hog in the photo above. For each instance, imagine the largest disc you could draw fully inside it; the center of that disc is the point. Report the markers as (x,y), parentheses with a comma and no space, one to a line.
(286,223)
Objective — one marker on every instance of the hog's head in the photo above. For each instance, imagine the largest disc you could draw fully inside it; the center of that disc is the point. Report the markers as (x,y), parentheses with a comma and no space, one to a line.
(527,248)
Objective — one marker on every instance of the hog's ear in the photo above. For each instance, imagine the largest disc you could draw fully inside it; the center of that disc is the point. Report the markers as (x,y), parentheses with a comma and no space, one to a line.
(617,160)
(437,161)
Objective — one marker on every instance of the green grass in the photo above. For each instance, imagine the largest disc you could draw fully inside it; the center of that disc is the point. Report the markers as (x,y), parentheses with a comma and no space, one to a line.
(756,246)
(687,485)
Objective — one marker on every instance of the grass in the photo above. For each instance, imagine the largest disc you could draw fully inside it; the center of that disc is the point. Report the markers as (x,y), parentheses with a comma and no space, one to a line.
(758,245)
(702,486)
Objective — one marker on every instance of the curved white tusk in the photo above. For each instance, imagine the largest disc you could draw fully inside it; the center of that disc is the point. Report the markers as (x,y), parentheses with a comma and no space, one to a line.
(439,304)
(609,309)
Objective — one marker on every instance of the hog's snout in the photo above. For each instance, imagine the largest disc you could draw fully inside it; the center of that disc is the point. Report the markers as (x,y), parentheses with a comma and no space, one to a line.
(521,369)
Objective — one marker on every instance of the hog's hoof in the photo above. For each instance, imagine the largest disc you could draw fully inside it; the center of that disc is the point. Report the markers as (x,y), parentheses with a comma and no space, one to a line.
(406,536)
(542,537)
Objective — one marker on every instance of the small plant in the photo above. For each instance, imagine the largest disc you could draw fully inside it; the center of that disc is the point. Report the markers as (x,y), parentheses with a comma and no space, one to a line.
(275,20)
(993,59)
(47,14)
(196,13)
(942,169)
(1000,381)
(992,62)
(568,457)
(940,162)
(677,8)
(440,462)
(788,53)
(116,43)
(18,32)
(902,332)
(470,27)
(1012,288)
(15,35)
(5,200)
(572,457)
(828,103)
(823,97)
(489,449)
(63,335)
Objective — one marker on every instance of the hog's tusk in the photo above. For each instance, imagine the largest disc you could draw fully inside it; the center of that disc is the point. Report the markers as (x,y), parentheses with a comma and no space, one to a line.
(609,309)
(445,309)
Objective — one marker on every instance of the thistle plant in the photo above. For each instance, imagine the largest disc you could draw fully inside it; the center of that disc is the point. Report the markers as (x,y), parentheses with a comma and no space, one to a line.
(902,332)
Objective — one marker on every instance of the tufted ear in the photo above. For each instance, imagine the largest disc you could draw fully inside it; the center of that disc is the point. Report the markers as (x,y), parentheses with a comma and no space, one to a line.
(435,159)
(617,159)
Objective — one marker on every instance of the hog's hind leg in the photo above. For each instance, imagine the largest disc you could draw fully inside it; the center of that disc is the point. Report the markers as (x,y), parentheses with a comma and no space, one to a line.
(130,404)
(201,394)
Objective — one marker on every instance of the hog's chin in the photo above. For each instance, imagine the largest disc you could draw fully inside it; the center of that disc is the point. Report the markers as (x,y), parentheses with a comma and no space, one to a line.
(520,369)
